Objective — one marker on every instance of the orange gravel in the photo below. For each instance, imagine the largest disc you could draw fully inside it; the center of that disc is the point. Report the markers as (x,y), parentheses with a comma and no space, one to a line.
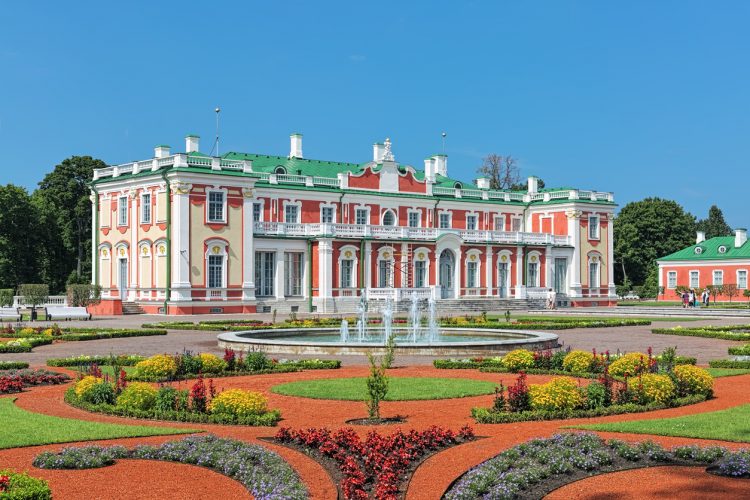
(692,483)
(430,480)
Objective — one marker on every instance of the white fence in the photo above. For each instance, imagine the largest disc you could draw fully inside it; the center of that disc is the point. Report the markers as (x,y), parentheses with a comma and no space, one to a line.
(52,300)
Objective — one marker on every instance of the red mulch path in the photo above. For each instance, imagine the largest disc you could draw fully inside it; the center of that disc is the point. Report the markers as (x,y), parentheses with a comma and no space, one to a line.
(690,483)
(430,480)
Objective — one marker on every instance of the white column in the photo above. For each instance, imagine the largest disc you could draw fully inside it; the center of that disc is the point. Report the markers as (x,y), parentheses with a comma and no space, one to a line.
(248,247)
(94,228)
(325,269)
(574,231)
(279,277)
(405,265)
(488,270)
(367,262)
(520,287)
(611,256)
(181,241)
(548,283)
(134,254)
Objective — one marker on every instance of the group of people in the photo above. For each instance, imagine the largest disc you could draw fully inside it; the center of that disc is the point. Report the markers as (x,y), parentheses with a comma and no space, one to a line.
(690,298)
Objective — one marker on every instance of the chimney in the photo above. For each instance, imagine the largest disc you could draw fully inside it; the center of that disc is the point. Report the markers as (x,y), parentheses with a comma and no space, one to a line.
(429,169)
(161,151)
(191,143)
(295,147)
(483,183)
(740,237)
(441,165)
(533,185)
(378,150)
(700,237)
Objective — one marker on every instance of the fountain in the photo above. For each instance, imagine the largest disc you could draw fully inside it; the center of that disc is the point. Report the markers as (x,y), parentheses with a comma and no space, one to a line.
(362,321)
(415,317)
(344,332)
(387,320)
(432,321)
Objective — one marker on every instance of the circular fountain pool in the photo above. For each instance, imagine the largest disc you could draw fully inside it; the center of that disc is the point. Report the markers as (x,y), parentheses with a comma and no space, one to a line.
(328,341)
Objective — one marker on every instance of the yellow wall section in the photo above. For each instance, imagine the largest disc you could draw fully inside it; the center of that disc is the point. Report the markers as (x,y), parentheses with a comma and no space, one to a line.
(200,233)
(587,247)
(161,206)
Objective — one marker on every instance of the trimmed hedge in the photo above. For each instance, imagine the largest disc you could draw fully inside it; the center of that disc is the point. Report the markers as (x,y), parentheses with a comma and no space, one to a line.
(713,333)
(486,416)
(25,344)
(728,363)
(122,360)
(740,351)
(269,419)
(493,365)
(286,367)
(13,365)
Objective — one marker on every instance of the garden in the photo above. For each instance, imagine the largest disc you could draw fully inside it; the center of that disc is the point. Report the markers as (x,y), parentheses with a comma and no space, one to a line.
(24,339)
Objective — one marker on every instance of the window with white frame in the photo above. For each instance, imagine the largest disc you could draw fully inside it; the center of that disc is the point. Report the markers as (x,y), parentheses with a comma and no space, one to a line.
(291,213)
(445,220)
(346,277)
(672,279)
(146,208)
(414,218)
(515,224)
(499,224)
(122,211)
(532,271)
(420,274)
(293,274)
(216,209)
(593,227)
(326,214)
(472,222)
(472,270)
(718,278)
(594,279)
(361,216)
(265,269)
(215,271)
(742,279)
(257,212)
(389,218)
(695,279)
(385,274)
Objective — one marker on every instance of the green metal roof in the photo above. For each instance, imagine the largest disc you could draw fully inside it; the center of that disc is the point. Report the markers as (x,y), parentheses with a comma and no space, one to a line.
(709,250)
(295,166)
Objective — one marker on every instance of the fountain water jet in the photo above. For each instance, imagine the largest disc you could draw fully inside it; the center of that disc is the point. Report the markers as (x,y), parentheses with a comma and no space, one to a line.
(344,331)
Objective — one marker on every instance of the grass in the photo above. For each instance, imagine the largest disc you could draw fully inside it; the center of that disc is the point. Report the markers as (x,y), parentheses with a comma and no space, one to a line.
(23,428)
(727,372)
(399,388)
(108,370)
(583,317)
(674,303)
(724,425)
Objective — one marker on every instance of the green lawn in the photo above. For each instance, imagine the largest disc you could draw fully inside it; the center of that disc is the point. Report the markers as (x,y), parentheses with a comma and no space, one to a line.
(727,372)
(399,388)
(725,425)
(584,317)
(22,428)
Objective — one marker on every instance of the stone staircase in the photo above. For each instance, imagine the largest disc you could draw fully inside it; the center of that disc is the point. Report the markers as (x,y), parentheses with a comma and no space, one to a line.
(131,308)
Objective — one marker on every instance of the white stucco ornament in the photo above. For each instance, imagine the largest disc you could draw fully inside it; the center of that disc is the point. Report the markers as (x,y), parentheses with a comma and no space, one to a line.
(388,154)
(216,250)
(162,249)
(348,254)
(421,256)
(504,258)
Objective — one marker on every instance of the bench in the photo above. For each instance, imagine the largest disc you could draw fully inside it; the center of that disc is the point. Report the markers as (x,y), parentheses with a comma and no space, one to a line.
(9,314)
(55,313)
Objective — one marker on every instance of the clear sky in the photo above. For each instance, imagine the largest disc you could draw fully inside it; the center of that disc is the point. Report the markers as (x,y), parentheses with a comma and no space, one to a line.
(643,98)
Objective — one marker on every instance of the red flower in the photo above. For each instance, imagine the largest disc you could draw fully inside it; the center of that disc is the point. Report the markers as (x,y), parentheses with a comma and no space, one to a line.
(4,483)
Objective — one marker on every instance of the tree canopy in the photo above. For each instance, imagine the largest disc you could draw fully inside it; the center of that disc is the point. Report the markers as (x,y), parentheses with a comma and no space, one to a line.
(714,225)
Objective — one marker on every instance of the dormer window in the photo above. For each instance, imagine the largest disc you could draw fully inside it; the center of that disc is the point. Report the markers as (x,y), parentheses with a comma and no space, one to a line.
(698,250)
(279,170)
(722,249)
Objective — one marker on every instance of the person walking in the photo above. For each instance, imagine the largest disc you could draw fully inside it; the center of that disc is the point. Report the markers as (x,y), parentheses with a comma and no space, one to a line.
(691,299)
(685,298)
(706,296)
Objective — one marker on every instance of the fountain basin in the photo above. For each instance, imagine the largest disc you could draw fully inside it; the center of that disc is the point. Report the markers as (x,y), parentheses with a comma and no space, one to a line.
(326,341)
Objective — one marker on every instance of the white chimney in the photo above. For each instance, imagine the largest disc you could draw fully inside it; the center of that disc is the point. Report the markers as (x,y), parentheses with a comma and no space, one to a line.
(429,169)
(700,237)
(740,237)
(295,147)
(192,143)
(533,185)
(161,151)
(483,183)
(441,165)
(378,151)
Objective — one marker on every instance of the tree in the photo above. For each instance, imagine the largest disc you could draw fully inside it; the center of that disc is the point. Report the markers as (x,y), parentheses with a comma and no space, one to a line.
(731,291)
(746,294)
(377,387)
(33,295)
(18,237)
(714,225)
(646,230)
(502,171)
(54,262)
(66,190)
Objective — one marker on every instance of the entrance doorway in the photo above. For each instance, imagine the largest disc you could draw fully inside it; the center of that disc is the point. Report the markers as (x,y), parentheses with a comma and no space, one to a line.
(447,266)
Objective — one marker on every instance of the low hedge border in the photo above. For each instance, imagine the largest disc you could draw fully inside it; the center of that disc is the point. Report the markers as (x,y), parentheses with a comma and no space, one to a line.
(75,361)
(740,351)
(554,324)
(494,366)
(722,334)
(95,334)
(287,367)
(269,419)
(13,365)
(25,344)
(728,363)
(486,416)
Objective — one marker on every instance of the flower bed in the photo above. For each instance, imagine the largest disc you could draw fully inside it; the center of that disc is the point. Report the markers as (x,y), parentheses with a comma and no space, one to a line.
(264,473)
(16,380)
(551,323)
(20,486)
(533,469)
(13,365)
(83,360)
(28,337)
(379,466)
(201,404)
(730,332)
(23,345)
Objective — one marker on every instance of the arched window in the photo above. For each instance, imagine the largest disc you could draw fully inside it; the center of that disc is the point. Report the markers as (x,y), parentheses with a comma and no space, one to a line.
(533,267)
(595,260)
(421,267)
(279,170)
(385,267)
(389,218)
(216,267)
(348,267)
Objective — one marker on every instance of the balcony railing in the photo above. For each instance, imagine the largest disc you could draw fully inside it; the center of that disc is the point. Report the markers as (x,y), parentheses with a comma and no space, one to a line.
(359,231)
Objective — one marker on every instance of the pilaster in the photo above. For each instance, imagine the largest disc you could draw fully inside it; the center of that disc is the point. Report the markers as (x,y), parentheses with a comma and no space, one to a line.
(520,285)
(134,255)
(325,268)
(488,270)
(574,230)
(611,256)
(181,241)
(248,246)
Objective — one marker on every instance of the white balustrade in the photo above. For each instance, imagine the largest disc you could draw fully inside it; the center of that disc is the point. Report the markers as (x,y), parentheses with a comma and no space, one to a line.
(52,300)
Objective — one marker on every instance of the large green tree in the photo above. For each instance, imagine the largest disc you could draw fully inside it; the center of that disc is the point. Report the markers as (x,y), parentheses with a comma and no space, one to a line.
(714,225)
(18,237)
(646,230)
(65,190)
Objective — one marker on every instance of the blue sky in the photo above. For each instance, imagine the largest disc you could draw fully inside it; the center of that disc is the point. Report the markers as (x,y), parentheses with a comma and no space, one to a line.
(639,98)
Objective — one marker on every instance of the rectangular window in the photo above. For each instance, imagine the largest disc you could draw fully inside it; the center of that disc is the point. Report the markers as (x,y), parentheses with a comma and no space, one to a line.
(694,279)
(718,278)
(122,211)
(291,214)
(499,223)
(384,274)
(533,278)
(414,219)
(347,273)
(265,267)
(360,216)
(445,220)
(516,225)
(293,274)
(257,212)
(146,208)
(215,271)
(420,274)
(472,222)
(594,275)
(471,274)
(593,227)
(672,279)
(326,215)
(742,279)
(215,206)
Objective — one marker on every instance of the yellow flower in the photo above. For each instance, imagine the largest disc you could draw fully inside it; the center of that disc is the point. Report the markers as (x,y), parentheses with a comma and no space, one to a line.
(693,380)
(239,403)
(519,359)
(137,396)
(560,393)
(160,365)
(84,385)
(653,387)
(212,364)
(578,361)
(632,363)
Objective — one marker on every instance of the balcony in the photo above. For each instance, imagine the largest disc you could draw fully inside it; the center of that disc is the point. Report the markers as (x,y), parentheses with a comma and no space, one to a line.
(358,231)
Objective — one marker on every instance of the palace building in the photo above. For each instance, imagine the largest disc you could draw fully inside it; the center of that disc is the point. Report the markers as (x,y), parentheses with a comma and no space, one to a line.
(721,262)
(190,233)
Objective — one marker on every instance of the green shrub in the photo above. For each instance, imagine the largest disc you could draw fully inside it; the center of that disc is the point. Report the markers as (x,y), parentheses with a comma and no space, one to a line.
(101,393)
(6,297)
(13,365)
(257,360)
(166,399)
(740,351)
(21,486)
(137,396)
(728,363)
(34,294)
(83,295)
(596,395)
